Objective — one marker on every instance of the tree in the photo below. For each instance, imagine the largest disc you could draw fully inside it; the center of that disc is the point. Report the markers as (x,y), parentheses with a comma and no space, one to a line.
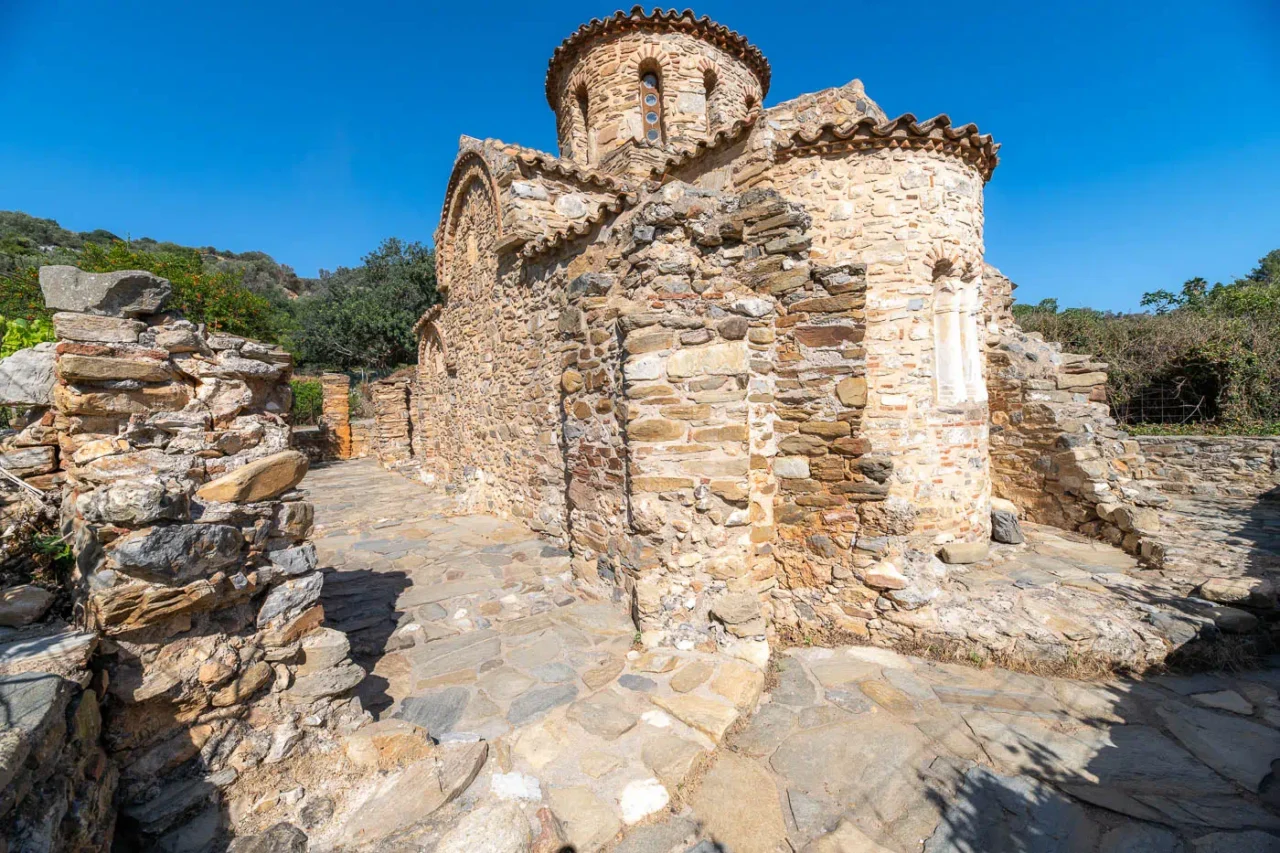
(364,317)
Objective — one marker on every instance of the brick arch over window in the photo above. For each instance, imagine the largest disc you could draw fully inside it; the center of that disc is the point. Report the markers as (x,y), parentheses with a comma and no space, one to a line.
(472,193)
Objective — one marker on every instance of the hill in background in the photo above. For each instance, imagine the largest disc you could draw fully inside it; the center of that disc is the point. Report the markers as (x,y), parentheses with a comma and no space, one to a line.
(27,241)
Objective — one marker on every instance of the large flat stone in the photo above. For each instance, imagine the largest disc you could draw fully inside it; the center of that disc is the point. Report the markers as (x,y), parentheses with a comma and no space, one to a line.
(739,805)
(64,651)
(708,716)
(603,715)
(535,703)
(126,293)
(1237,748)
(588,822)
(409,797)
(994,812)
(873,759)
(1134,769)
(436,711)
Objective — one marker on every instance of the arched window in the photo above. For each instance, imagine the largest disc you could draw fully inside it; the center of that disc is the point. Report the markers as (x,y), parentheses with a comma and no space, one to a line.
(651,105)
(582,128)
(709,87)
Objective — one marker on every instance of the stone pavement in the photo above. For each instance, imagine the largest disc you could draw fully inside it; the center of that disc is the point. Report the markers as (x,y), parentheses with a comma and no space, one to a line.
(908,754)
(471,628)
(1060,596)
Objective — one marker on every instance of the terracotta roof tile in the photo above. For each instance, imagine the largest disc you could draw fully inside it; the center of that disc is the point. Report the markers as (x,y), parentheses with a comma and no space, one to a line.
(936,134)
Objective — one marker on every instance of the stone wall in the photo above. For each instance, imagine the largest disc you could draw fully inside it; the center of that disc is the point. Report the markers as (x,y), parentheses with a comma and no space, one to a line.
(485,416)
(192,558)
(1222,514)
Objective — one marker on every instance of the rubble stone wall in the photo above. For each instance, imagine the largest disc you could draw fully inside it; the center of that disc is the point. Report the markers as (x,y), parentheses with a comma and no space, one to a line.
(192,558)
(1222,513)
(485,414)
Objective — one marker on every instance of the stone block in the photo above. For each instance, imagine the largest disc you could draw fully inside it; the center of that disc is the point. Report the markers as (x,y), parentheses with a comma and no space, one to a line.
(95,329)
(260,480)
(127,293)
(964,552)
(715,360)
(27,377)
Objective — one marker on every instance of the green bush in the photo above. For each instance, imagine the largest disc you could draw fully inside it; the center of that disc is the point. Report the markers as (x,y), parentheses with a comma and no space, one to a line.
(308,401)
(21,333)
(1207,358)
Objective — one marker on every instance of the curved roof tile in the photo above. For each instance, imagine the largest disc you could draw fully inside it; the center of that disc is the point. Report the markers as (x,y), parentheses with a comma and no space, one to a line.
(904,131)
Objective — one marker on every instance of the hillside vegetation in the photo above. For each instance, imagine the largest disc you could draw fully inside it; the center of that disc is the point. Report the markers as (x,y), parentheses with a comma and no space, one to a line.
(354,318)
(1203,359)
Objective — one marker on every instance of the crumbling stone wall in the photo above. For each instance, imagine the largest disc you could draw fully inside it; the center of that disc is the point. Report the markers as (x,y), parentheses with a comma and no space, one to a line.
(1222,513)
(192,557)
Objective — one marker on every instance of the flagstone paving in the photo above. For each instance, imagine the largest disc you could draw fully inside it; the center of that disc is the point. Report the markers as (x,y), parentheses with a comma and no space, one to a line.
(471,627)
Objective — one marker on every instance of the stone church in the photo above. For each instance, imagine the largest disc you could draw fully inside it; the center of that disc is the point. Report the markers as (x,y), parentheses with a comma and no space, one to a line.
(740,359)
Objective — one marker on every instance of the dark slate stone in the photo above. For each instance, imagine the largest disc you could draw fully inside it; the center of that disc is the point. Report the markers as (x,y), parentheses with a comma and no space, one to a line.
(1004,528)
(437,711)
(533,704)
(637,682)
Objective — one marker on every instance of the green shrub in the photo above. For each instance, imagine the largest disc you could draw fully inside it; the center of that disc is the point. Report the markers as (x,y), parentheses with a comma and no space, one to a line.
(1207,358)
(21,333)
(308,401)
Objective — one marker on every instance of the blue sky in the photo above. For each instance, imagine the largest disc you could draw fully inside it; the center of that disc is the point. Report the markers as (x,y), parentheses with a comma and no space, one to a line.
(1141,139)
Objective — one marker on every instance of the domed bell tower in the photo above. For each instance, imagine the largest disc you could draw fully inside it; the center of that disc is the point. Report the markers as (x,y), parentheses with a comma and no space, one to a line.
(631,89)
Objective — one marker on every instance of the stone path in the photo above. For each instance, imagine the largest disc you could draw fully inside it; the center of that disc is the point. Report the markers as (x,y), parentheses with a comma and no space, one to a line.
(471,628)
(1062,595)
(916,755)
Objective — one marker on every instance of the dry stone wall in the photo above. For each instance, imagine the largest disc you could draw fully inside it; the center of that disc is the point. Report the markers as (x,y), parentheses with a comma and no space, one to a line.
(192,560)
(1222,514)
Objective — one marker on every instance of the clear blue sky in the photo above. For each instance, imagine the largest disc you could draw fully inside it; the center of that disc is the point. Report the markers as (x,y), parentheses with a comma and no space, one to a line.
(1141,139)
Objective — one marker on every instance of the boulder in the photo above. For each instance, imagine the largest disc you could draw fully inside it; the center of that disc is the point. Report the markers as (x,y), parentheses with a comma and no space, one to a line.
(1250,592)
(259,480)
(126,293)
(176,553)
(27,377)
(22,605)
(1005,528)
